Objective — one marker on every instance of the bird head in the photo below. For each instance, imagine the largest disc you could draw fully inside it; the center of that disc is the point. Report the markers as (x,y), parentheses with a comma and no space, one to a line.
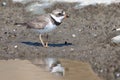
(59,15)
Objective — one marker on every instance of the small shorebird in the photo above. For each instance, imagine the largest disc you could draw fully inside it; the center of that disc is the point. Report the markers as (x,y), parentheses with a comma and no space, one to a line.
(54,66)
(46,23)
(58,70)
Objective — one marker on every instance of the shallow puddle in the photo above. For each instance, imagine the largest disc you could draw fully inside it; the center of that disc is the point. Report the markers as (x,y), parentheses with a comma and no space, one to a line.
(28,70)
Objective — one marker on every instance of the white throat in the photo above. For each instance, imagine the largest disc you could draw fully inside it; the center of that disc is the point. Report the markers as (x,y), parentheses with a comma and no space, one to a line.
(57,19)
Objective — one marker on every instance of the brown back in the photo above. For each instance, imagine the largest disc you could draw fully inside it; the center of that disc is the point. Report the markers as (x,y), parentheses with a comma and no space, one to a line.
(39,22)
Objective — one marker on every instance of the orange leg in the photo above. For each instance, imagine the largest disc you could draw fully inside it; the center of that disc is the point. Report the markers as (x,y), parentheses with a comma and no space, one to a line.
(46,43)
(43,44)
(40,37)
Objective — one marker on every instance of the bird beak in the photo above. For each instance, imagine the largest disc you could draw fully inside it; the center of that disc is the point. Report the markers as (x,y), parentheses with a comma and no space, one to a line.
(66,16)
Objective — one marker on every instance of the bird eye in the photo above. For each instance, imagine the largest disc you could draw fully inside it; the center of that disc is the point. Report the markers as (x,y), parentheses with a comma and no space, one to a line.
(60,14)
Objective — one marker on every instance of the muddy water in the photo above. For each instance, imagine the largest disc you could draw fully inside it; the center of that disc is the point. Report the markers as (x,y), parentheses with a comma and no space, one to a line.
(78,71)
(26,70)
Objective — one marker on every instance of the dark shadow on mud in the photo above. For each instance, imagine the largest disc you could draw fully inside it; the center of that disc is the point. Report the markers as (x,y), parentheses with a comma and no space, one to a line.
(32,43)
(51,45)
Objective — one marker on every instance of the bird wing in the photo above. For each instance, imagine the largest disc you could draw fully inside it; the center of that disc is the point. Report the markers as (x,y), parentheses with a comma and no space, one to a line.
(38,23)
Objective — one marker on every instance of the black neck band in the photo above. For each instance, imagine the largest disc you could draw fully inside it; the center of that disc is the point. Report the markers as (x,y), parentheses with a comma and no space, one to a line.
(55,22)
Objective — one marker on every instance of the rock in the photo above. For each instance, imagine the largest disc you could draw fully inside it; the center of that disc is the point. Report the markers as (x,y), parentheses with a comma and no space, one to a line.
(14,30)
(4,3)
(101,70)
(80,30)
(73,35)
(15,46)
(117,74)
(71,49)
(93,34)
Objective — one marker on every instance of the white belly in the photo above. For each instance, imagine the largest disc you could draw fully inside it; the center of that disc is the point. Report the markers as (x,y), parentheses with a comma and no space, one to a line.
(50,27)
(47,28)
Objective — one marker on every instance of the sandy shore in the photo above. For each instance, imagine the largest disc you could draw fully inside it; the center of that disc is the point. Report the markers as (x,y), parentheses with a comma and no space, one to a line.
(92,27)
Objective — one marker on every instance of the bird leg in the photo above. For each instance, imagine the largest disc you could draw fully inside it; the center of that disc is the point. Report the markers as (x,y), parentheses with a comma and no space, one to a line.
(40,37)
(46,43)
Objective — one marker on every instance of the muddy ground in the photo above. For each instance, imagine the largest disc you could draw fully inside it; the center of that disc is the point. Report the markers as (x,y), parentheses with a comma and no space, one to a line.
(85,35)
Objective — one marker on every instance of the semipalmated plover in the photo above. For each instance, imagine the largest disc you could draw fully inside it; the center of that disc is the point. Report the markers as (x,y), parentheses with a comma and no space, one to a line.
(54,66)
(46,23)
(58,70)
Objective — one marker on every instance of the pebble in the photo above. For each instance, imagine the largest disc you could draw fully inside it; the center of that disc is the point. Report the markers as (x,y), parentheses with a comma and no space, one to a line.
(101,70)
(118,29)
(72,49)
(14,30)
(117,74)
(73,35)
(95,63)
(15,46)
(79,30)
(4,3)
(94,34)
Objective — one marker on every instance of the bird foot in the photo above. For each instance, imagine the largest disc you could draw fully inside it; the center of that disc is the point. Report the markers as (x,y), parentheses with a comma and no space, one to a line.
(46,45)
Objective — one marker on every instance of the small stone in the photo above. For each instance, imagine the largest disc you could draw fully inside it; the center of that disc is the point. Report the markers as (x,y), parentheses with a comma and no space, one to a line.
(94,34)
(79,30)
(71,49)
(95,63)
(4,3)
(14,30)
(118,75)
(101,70)
(118,29)
(73,35)
(15,46)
